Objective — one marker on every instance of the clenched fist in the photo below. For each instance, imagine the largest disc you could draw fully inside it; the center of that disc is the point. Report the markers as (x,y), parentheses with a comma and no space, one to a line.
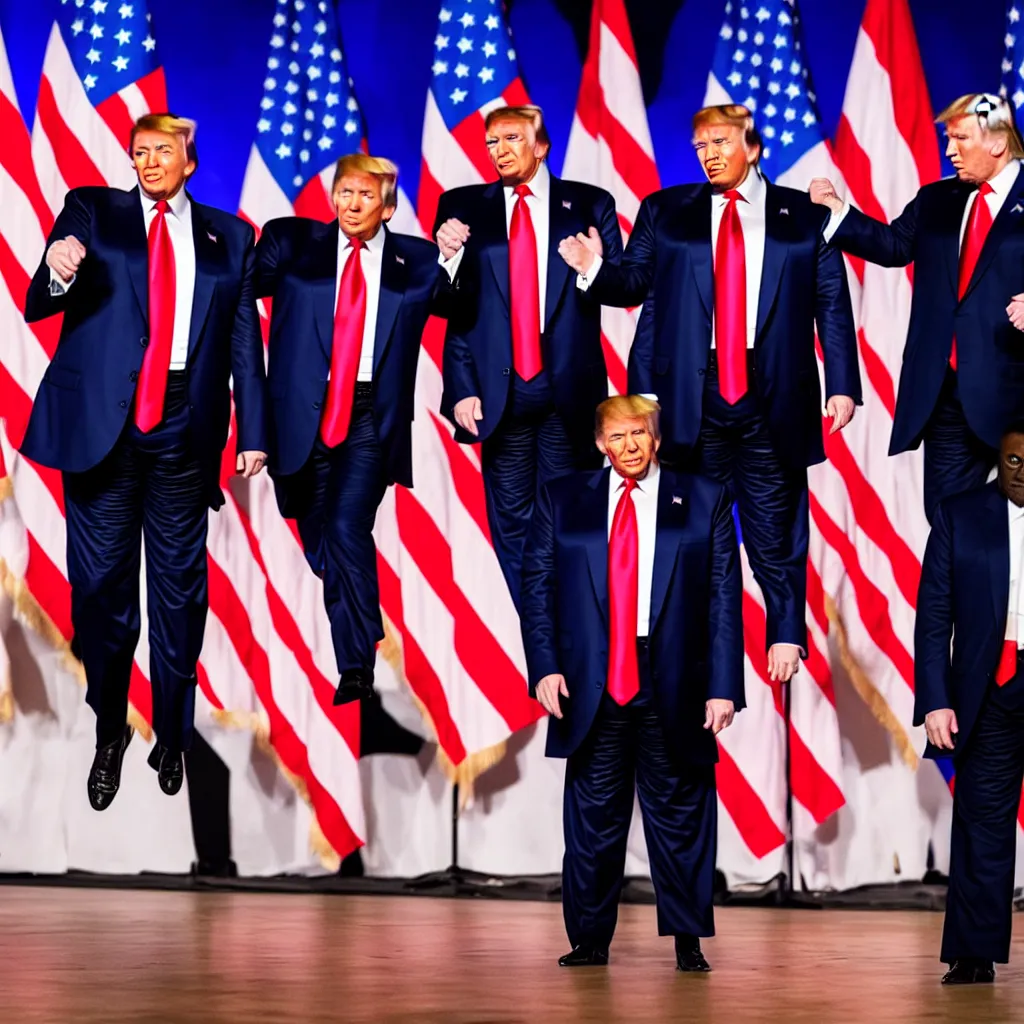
(823,192)
(65,256)
(452,235)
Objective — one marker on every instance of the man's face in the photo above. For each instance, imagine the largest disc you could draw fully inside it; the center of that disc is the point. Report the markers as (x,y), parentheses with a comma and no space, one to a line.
(515,151)
(360,205)
(629,445)
(1011,468)
(161,163)
(724,155)
(969,149)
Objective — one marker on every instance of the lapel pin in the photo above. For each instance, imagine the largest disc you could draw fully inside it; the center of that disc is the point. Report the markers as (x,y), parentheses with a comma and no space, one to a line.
(212,237)
(784,211)
(1018,209)
(676,500)
(566,204)
(398,259)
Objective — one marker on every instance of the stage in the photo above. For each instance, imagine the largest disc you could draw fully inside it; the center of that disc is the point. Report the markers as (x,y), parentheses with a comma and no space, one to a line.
(112,956)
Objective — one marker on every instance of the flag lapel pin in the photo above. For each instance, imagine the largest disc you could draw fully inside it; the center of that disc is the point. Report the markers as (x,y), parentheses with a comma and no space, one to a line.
(566,204)
(1018,209)
(676,500)
(398,259)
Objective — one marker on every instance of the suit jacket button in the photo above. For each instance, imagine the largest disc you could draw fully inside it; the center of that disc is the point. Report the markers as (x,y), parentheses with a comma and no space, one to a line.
(700,373)
(143,342)
(133,376)
(316,405)
(599,684)
(505,372)
(124,405)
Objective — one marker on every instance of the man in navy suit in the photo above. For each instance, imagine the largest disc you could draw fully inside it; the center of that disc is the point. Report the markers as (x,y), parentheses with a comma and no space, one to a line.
(971,701)
(159,315)
(523,364)
(631,620)
(734,278)
(963,366)
(351,299)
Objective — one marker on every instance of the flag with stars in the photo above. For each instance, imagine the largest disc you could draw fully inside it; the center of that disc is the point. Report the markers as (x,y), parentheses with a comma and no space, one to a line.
(101,71)
(759,62)
(474,70)
(1011,83)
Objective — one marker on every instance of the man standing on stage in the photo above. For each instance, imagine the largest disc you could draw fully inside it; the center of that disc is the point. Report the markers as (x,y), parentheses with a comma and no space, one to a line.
(735,278)
(159,316)
(963,366)
(523,364)
(639,661)
(351,299)
(970,698)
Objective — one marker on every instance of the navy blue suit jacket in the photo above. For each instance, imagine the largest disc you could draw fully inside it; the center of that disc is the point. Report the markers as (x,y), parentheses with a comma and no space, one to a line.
(696,628)
(963,597)
(297,264)
(86,394)
(478,347)
(990,350)
(668,265)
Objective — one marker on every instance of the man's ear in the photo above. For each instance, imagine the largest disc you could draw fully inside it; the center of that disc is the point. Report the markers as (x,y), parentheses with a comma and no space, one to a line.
(601,446)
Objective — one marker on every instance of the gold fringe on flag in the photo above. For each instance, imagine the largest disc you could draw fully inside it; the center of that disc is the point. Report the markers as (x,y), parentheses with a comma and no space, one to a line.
(868,692)
(464,774)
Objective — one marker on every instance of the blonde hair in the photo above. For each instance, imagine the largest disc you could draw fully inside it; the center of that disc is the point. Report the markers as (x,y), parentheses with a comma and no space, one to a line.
(169,124)
(994,114)
(734,114)
(529,113)
(633,407)
(383,170)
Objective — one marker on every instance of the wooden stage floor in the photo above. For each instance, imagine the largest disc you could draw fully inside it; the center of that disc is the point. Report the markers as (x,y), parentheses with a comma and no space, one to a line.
(87,956)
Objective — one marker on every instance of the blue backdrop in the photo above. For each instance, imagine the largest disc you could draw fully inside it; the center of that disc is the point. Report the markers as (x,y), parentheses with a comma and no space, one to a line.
(214,53)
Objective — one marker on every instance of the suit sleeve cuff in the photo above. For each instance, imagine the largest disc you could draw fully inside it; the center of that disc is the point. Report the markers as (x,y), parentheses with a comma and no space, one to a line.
(834,221)
(450,267)
(584,281)
(58,286)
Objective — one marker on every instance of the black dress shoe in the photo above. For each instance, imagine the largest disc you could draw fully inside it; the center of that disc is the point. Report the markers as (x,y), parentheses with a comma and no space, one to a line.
(355,684)
(105,774)
(169,768)
(969,971)
(584,956)
(688,955)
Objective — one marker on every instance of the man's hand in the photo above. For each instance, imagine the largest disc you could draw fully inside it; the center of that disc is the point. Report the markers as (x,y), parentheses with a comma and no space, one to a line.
(452,235)
(65,256)
(823,192)
(941,727)
(579,252)
(248,464)
(1015,311)
(467,412)
(718,714)
(550,687)
(841,408)
(783,662)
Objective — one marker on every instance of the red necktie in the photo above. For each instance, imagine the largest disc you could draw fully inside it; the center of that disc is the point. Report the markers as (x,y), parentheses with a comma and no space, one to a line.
(149,395)
(524,280)
(1007,667)
(731,302)
(623,584)
(346,346)
(978,224)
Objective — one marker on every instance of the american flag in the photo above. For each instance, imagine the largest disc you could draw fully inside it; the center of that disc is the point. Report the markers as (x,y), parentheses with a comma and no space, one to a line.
(1011,84)
(442,591)
(759,62)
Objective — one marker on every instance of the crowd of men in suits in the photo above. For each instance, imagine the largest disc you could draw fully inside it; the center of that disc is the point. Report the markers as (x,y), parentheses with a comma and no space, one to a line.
(612,518)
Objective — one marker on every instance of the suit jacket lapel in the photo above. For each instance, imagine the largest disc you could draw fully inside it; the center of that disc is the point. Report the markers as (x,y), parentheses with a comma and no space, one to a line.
(1008,219)
(951,217)
(210,252)
(393,278)
(999,558)
(698,228)
(133,231)
(775,252)
(496,233)
(560,224)
(324,257)
(593,518)
(671,516)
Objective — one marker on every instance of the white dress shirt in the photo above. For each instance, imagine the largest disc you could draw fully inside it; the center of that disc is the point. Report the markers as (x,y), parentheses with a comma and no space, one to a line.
(539,205)
(645,500)
(370,259)
(1001,185)
(1015,608)
(179,226)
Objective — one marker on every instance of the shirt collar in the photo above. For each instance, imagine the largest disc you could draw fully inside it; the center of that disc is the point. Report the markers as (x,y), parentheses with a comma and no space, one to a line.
(1015,512)
(540,185)
(374,246)
(177,204)
(752,188)
(648,483)
(1003,181)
